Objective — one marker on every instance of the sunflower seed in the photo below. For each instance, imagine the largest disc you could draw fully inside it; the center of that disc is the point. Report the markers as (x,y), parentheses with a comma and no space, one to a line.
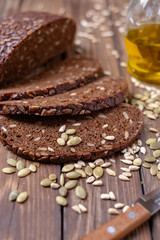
(150,140)
(88,171)
(156,153)
(133,168)
(124,178)
(76,124)
(153,130)
(97,183)
(154,170)
(55,185)
(92,165)
(76,208)
(81,163)
(76,165)
(13,195)
(137,162)
(64,136)
(110,172)
(70,131)
(119,205)
(143,150)
(61,201)
(11,162)
(52,177)
(36,164)
(158,175)
(80,192)
(106,164)
(125,208)
(68,168)
(83,174)
(129,162)
(74,141)
(150,159)
(62,179)
(20,165)
(90,179)
(8,170)
(147,165)
(98,172)
(131,157)
(155,145)
(33,168)
(62,128)
(113,211)
(125,169)
(24,172)
(22,197)
(61,141)
(105,126)
(63,191)
(82,208)
(73,175)
(127,174)
(98,162)
(112,196)
(110,138)
(105,196)
(46,182)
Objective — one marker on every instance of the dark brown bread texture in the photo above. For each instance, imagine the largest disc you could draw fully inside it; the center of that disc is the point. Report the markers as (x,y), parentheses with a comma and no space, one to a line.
(29,39)
(54,79)
(103,93)
(34,137)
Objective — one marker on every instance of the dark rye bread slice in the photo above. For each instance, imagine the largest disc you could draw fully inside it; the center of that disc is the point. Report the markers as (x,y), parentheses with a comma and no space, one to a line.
(54,79)
(102,93)
(29,39)
(34,137)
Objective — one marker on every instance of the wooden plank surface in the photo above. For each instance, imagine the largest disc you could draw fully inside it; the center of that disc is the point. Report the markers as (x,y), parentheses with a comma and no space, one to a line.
(40,217)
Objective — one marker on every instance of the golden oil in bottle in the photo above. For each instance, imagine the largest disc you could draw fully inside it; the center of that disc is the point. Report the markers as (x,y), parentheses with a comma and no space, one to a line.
(143,48)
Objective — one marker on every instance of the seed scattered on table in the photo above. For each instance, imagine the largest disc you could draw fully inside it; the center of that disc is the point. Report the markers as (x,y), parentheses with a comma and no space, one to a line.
(110,172)
(124,178)
(55,185)
(61,201)
(125,208)
(82,208)
(80,192)
(137,162)
(33,168)
(13,195)
(154,170)
(105,196)
(22,197)
(68,168)
(8,170)
(73,175)
(62,179)
(76,209)
(97,183)
(20,165)
(52,177)
(112,195)
(98,172)
(149,159)
(71,184)
(113,211)
(11,162)
(46,182)
(119,205)
(24,172)
(83,174)
(63,191)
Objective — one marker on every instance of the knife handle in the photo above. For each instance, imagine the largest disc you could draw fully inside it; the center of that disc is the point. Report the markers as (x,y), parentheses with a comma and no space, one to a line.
(120,226)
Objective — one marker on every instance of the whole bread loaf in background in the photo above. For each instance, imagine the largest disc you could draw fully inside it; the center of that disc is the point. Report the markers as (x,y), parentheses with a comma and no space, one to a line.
(29,39)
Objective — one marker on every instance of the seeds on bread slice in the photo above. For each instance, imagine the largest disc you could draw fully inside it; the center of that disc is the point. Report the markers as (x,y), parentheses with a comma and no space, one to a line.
(56,78)
(29,39)
(95,136)
(102,93)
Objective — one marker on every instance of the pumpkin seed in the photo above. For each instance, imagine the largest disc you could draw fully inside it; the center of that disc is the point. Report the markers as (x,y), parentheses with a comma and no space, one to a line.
(68,168)
(61,201)
(113,211)
(74,141)
(82,208)
(158,175)
(70,131)
(150,140)
(98,172)
(90,179)
(88,170)
(63,191)
(73,175)
(110,172)
(147,165)
(83,174)
(137,162)
(46,182)
(55,185)
(149,159)
(20,165)
(155,145)
(105,196)
(33,168)
(97,183)
(64,136)
(52,177)
(24,172)
(8,170)
(61,141)
(154,170)
(156,153)
(22,197)
(76,208)
(112,196)
(119,205)
(71,184)
(62,128)
(13,195)
(11,162)
(62,179)
(80,192)
(124,178)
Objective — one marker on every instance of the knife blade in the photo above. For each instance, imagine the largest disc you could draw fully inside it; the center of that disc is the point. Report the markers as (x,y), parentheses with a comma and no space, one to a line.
(119,227)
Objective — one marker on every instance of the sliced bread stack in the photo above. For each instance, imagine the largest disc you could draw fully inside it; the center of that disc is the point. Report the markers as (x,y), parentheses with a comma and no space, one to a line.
(93,121)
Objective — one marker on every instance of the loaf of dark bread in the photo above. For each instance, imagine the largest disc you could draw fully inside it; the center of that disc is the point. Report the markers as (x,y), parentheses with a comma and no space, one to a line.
(54,79)
(103,93)
(96,135)
(29,39)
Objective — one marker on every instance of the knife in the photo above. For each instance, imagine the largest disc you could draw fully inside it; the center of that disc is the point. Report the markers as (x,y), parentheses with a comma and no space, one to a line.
(120,226)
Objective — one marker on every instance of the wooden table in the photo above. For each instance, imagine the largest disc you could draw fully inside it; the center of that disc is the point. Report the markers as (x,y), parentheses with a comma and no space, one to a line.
(40,217)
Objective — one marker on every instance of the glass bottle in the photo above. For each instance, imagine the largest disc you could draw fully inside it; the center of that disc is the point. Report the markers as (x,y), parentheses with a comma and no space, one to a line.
(142,40)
